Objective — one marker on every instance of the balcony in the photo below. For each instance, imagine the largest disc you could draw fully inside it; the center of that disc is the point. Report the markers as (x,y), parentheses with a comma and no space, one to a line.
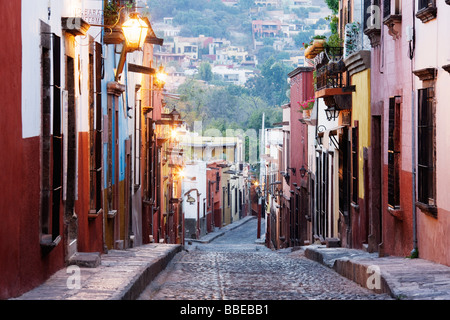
(332,80)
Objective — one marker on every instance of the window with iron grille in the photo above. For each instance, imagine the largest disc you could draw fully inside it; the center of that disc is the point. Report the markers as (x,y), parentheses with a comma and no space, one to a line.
(394,154)
(217,181)
(228,194)
(425,4)
(95,132)
(344,159)
(426,10)
(355,167)
(51,150)
(426,147)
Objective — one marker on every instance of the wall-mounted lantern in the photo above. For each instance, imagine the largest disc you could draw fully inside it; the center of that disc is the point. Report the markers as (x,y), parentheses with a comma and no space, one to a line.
(161,77)
(303,171)
(332,113)
(135,31)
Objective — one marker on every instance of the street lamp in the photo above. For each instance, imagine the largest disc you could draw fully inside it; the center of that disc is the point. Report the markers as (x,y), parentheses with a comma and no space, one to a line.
(135,31)
(332,113)
(303,171)
(175,115)
(161,77)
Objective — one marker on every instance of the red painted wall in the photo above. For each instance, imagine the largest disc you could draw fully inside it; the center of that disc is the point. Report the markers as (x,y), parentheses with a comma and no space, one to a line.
(301,90)
(90,232)
(22,264)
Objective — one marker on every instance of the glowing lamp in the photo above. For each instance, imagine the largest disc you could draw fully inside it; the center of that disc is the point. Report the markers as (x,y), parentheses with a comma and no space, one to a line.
(161,76)
(135,31)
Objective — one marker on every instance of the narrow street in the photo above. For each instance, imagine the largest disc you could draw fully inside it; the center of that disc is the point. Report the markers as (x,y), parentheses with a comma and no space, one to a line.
(234,267)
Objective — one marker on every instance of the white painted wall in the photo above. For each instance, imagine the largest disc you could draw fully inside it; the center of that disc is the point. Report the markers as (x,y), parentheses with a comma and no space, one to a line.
(32,12)
(50,12)
(195,169)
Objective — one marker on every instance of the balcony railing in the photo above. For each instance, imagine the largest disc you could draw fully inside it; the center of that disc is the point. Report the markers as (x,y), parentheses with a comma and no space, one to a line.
(330,73)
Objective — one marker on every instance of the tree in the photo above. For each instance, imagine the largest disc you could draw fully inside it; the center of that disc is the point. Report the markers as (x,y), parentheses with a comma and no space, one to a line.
(205,72)
(303,37)
(333,5)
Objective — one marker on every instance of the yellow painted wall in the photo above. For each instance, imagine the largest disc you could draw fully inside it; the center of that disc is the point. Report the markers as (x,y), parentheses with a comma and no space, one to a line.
(361,113)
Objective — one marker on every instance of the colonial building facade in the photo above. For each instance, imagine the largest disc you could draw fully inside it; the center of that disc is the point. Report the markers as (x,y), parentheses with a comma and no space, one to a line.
(89,145)
(384,89)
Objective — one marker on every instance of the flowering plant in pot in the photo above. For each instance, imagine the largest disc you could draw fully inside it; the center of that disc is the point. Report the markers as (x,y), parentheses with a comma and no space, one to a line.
(307,105)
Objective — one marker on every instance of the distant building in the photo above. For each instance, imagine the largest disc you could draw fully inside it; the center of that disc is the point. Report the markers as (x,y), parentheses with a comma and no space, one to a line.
(266,28)
(268,3)
(233,76)
(230,3)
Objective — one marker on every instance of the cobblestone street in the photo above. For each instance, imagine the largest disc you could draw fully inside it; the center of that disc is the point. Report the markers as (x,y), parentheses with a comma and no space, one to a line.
(234,267)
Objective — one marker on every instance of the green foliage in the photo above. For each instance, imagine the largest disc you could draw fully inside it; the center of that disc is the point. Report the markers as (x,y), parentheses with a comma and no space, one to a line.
(303,12)
(271,83)
(303,37)
(333,5)
(334,41)
(224,107)
(334,22)
(205,72)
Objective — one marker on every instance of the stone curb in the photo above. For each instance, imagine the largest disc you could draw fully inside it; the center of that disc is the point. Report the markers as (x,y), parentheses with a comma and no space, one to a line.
(401,278)
(143,278)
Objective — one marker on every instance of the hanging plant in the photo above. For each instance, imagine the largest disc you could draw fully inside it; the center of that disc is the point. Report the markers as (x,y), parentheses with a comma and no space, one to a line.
(111,12)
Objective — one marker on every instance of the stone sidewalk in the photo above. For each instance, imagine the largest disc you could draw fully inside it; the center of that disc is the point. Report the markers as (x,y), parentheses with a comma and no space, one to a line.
(401,278)
(121,275)
(117,275)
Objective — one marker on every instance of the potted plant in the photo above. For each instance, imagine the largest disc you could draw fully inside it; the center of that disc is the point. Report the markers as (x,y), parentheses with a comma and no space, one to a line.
(315,47)
(111,13)
(319,41)
(307,106)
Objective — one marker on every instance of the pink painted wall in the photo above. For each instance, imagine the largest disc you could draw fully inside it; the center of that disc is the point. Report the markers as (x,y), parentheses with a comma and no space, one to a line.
(434,51)
(392,76)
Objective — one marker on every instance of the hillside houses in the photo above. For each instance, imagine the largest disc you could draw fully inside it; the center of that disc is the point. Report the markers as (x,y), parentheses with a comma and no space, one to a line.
(234,60)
